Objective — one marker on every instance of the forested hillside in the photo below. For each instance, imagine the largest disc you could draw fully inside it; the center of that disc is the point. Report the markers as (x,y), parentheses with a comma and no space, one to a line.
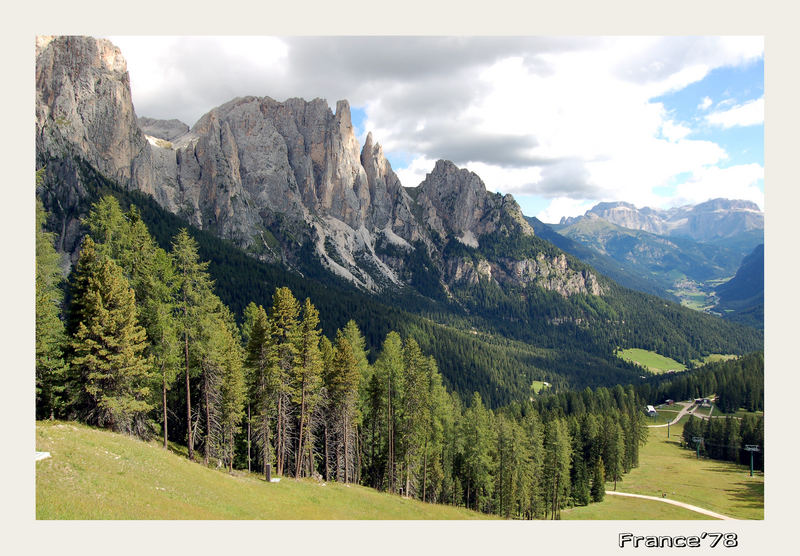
(488,338)
(149,349)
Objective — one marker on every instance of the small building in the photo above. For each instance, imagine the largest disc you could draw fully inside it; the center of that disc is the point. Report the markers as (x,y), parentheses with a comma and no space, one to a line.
(651,411)
(670,402)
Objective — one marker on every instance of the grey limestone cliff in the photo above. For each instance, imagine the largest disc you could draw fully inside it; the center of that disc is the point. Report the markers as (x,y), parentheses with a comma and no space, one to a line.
(270,176)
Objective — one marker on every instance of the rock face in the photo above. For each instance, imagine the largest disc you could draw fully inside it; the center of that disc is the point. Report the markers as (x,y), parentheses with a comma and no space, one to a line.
(83,104)
(712,220)
(167,130)
(455,203)
(271,177)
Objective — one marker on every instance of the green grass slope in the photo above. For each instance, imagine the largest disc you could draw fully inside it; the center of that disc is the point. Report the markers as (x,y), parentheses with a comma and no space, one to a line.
(96,474)
(650,360)
(720,486)
(620,507)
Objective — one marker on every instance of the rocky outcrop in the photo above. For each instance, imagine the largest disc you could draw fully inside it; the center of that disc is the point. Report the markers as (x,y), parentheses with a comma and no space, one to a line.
(455,203)
(259,172)
(166,130)
(83,107)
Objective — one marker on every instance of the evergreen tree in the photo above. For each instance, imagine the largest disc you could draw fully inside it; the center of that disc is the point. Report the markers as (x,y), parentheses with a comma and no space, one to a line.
(386,396)
(262,384)
(599,482)
(307,387)
(479,466)
(194,294)
(556,465)
(342,389)
(283,345)
(108,347)
(149,269)
(50,335)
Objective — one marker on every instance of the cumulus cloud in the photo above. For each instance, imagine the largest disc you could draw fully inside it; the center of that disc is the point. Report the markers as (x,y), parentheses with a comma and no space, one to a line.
(747,114)
(564,207)
(705,104)
(562,118)
(733,182)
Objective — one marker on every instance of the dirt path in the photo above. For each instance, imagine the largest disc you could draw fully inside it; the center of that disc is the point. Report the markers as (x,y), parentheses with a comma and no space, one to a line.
(673,502)
(687,408)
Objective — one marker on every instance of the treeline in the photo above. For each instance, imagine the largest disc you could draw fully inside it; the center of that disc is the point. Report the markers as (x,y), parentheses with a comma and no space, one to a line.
(147,348)
(726,438)
(737,383)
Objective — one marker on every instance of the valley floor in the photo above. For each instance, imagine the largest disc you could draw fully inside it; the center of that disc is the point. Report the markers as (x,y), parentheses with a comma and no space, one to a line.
(664,467)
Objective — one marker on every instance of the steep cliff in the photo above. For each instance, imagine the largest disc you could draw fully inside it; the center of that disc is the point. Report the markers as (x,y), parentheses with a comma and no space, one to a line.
(275,178)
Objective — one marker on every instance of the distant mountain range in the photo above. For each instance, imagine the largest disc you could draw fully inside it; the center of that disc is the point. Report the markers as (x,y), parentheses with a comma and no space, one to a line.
(718,221)
(684,253)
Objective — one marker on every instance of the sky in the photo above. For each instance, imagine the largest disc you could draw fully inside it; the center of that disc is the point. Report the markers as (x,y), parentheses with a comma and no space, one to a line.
(561,123)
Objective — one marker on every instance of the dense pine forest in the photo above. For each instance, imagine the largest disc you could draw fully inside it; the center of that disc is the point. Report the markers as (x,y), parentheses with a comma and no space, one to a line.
(138,340)
(485,338)
(146,347)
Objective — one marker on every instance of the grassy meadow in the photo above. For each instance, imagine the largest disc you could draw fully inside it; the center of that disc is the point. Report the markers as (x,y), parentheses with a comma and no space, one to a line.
(620,507)
(720,486)
(650,360)
(95,474)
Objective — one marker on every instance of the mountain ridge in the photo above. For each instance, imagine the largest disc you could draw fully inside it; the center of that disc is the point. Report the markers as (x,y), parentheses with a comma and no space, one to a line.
(710,221)
(287,183)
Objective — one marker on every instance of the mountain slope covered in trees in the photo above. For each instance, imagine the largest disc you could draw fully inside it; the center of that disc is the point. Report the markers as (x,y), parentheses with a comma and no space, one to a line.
(487,338)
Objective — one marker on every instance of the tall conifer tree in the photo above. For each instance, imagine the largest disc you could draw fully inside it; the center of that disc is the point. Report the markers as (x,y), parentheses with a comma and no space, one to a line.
(108,346)
(50,336)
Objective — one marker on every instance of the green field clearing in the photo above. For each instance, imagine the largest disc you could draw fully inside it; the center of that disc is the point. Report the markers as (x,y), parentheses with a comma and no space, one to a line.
(620,507)
(720,486)
(538,385)
(662,418)
(650,360)
(95,474)
(714,358)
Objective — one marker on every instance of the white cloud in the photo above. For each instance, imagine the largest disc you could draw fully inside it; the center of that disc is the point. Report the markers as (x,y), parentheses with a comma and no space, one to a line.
(674,131)
(553,117)
(733,182)
(747,114)
(705,104)
(415,172)
(564,206)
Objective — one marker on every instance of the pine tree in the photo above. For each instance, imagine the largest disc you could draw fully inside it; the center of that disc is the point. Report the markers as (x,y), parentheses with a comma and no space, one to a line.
(358,343)
(556,465)
(599,482)
(194,294)
(479,469)
(283,345)
(50,336)
(227,358)
(343,392)
(108,346)
(307,386)
(388,372)
(124,238)
(262,384)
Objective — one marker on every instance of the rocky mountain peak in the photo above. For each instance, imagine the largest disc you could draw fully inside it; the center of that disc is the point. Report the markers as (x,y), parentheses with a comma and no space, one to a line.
(270,176)
(455,202)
